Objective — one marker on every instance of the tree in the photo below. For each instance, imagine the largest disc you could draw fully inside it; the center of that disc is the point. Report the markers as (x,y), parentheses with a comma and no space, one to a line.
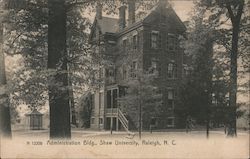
(85,109)
(30,40)
(196,91)
(57,61)
(141,99)
(5,124)
(233,10)
(5,120)
(79,56)
(27,84)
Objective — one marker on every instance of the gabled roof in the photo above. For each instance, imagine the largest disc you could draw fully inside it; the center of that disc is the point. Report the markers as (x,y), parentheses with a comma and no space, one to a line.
(111,25)
(172,17)
(170,14)
(34,112)
(108,25)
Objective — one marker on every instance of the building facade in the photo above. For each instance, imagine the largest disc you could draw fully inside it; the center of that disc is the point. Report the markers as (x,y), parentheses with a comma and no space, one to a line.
(130,46)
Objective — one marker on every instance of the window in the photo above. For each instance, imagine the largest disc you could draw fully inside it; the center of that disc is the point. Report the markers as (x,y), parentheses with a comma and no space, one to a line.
(134,65)
(133,69)
(159,70)
(101,99)
(170,94)
(170,102)
(170,122)
(153,121)
(115,98)
(112,96)
(109,99)
(227,99)
(155,66)
(172,70)
(92,101)
(185,71)
(171,42)
(124,44)
(214,100)
(101,73)
(109,72)
(92,120)
(122,91)
(134,42)
(155,40)
(100,121)
(124,72)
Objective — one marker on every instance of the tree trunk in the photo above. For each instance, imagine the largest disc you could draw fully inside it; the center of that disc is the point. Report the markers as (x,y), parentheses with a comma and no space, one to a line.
(235,19)
(72,103)
(57,63)
(5,121)
(208,78)
(233,77)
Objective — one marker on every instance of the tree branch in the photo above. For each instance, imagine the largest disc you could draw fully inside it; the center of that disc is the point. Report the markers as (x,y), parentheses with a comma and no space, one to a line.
(240,10)
(231,14)
(77,3)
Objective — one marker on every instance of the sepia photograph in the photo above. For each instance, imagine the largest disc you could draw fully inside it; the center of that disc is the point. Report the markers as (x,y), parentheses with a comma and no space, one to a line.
(128,79)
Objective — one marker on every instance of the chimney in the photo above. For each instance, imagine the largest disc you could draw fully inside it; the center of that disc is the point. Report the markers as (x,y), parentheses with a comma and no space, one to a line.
(99,10)
(122,17)
(131,11)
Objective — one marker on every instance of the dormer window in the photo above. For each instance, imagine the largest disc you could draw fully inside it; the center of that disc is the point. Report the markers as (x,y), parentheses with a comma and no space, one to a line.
(155,39)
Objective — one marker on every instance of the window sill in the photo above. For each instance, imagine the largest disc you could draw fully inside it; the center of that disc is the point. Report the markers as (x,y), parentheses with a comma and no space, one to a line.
(170,126)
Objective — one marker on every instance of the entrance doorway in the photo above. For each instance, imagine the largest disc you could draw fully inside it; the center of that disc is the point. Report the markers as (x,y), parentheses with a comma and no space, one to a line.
(110,120)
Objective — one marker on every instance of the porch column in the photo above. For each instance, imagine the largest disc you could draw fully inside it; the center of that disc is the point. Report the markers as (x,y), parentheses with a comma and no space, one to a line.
(111,124)
(117,124)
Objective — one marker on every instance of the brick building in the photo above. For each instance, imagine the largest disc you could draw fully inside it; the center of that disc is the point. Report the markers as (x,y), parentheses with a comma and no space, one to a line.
(132,45)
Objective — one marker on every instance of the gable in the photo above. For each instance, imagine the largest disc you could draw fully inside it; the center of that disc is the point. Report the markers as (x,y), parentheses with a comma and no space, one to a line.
(163,15)
(108,25)
(103,26)
(93,30)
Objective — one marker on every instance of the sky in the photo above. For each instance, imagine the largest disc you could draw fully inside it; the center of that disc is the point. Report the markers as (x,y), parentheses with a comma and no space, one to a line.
(182,8)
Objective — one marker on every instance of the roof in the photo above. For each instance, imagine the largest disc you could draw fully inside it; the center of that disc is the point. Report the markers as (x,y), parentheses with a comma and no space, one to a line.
(111,25)
(34,112)
(172,17)
(108,25)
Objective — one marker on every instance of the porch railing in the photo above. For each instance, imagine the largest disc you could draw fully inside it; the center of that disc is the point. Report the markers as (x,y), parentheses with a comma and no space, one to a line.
(112,111)
(124,121)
